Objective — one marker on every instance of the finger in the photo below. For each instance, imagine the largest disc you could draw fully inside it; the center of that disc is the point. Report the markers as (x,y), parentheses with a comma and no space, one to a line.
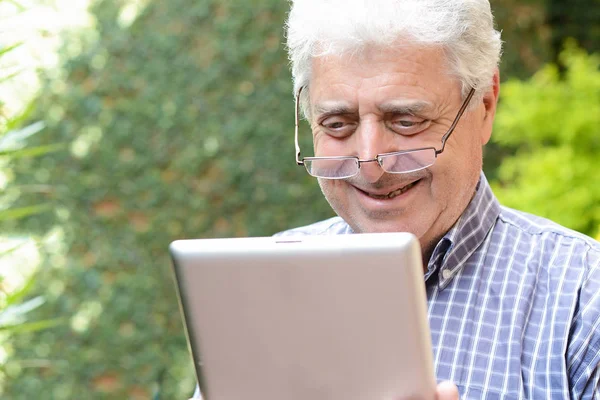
(447,391)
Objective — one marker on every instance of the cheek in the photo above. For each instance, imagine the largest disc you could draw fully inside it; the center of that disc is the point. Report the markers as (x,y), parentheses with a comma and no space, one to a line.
(456,171)
(327,187)
(321,144)
(336,194)
(325,145)
(463,154)
(331,185)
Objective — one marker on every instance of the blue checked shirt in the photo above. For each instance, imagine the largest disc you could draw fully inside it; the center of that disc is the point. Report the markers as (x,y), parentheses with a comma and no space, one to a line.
(514,304)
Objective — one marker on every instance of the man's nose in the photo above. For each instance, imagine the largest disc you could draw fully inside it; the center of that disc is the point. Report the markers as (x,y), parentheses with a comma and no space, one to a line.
(370,171)
(372,140)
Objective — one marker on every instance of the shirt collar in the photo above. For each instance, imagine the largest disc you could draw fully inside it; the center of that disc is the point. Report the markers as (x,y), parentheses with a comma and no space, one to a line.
(467,234)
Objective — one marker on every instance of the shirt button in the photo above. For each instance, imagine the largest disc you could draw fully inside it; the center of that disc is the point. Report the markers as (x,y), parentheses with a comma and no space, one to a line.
(446,274)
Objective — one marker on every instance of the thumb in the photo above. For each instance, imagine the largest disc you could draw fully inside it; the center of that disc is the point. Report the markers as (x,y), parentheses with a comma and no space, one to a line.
(447,391)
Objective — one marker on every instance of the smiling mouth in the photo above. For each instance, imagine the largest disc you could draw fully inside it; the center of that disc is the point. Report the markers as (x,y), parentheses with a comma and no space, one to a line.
(393,194)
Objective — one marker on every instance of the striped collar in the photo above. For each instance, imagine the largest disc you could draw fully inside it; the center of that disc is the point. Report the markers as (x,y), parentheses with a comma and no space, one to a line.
(466,236)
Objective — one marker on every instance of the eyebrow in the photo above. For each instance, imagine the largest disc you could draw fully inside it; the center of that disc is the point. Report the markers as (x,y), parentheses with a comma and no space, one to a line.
(330,108)
(403,107)
(400,107)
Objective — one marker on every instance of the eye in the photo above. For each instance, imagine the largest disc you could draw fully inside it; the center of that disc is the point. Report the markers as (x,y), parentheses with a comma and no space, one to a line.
(408,125)
(334,125)
(338,126)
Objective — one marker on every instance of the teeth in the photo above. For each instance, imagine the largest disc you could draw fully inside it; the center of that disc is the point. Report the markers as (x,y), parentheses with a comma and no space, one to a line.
(393,194)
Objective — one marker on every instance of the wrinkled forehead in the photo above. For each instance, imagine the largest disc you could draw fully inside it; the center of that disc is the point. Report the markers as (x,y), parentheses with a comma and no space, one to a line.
(402,49)
(408,66)
(403,53)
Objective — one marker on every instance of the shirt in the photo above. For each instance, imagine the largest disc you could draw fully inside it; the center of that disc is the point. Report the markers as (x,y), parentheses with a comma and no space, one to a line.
(513,303)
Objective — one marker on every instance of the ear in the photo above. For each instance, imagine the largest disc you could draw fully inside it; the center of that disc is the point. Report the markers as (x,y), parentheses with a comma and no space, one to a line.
(490,100)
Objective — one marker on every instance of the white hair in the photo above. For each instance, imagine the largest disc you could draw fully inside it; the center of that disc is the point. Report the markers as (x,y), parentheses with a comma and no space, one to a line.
(463,28)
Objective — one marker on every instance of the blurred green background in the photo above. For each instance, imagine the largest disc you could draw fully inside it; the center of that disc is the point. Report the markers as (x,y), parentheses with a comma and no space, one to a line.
(173,119)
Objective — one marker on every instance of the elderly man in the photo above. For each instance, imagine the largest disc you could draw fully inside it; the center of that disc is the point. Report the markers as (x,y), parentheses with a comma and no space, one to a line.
(401,96)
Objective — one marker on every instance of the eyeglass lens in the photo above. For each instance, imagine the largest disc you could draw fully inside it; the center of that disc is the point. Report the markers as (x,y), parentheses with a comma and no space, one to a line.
(409,161)
(332,168)
(398,163)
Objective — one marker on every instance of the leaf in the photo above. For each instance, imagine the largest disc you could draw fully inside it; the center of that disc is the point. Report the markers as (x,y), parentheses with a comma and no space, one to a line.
(15,314)
(21,117)
(32,151)
(31,326)
(5,50)
(11,250)
(10,76)
(16,213)
(14,139)
(17,295)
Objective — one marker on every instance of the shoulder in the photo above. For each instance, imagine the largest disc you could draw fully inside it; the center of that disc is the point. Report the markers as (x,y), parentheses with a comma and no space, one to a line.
(548,248)
(558,250)
(532,227)
(331,226)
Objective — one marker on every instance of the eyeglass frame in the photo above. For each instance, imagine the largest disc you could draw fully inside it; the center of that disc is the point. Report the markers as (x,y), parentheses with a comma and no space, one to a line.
(377,158)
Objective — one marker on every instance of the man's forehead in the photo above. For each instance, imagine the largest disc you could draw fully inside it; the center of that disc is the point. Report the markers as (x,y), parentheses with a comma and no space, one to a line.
(413,65)
(401,51)
(410,79)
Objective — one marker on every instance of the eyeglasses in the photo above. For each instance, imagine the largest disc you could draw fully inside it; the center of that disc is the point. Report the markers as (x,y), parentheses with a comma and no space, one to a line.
(398,162)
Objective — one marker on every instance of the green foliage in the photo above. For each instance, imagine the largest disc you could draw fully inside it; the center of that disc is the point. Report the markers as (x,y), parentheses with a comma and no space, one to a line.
(13,145)
(15,306)
(552,122)
(178,125)
(13,317)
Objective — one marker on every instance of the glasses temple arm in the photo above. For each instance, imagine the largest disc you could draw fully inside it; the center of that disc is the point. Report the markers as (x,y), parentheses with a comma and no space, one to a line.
(455,122)
(296,123)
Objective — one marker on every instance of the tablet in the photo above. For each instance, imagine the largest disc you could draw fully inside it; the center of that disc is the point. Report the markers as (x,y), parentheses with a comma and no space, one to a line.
(306,318)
